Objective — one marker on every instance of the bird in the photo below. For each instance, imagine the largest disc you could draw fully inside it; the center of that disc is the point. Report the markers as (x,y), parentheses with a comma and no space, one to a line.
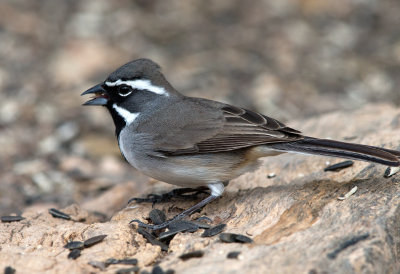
(196,142)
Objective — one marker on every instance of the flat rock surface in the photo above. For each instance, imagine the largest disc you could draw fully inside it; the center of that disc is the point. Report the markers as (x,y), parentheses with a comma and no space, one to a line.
(295,219)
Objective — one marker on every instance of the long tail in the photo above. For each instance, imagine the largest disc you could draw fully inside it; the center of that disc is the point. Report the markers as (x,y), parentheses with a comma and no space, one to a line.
(333,148)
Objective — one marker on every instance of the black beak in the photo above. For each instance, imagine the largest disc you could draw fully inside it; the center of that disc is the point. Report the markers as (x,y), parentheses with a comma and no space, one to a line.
(101,97)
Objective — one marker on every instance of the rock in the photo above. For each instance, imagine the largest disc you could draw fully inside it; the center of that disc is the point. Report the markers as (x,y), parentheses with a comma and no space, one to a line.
(295,219)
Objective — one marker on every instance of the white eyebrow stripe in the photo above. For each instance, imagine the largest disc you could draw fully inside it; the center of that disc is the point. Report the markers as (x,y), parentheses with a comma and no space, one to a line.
(140,85)
(129,117)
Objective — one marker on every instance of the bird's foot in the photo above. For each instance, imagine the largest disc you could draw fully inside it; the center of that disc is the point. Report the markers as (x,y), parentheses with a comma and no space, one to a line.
(175,193)
(180,216)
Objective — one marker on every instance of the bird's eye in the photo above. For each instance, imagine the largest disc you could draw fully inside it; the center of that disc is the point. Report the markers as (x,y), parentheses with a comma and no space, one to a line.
(124,91)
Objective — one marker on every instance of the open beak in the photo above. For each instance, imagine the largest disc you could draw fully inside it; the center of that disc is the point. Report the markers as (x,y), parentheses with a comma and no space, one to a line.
(100,96)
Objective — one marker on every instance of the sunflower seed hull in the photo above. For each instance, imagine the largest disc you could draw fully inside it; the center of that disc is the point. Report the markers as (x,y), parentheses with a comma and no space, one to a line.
(74,245)
(233,255)
(184,226)
(9,219)
(123,261)
(75,253)
(339,166)
(234,238)
(213,231)
(151,239)
(390,171)
(134,269)
(97,264)
(94,240)
(194,254)
(348,194)
(9,270)
(59,214)
(157,216)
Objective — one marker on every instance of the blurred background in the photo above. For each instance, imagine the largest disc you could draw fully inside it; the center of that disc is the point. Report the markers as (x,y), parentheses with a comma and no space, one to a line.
(289,59)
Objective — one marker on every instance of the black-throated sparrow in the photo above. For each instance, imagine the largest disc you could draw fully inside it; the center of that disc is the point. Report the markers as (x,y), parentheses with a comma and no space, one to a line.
(193,142)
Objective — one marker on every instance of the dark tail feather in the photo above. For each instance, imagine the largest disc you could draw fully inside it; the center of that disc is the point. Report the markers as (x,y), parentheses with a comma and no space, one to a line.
(327,147)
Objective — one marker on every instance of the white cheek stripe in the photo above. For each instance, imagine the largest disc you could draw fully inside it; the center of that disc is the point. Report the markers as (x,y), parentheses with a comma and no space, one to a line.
(140,85)
(126,115)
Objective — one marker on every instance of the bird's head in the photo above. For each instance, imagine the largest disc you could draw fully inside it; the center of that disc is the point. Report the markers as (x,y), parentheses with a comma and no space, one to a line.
(133,88)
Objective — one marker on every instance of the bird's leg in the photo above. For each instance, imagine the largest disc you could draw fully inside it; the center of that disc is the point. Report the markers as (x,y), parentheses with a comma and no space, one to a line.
(175,193)
(216,190)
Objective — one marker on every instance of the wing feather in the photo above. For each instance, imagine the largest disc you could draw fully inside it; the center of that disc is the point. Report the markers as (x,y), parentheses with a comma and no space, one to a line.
(242,128)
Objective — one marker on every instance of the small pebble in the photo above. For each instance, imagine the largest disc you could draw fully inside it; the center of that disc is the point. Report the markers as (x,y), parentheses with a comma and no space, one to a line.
(73,254)
(74,245)
(94,240)
(339,166)
(134,269)
(390,171)
(59,214)
(234,238)
(271,175)
(9,219)
(9,270)
(97,264)
(193,254)
(213,231)
(233,255)
(157,216)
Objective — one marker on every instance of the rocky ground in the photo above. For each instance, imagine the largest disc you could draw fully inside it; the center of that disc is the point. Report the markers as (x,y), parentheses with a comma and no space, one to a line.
(295,218)
(289,59)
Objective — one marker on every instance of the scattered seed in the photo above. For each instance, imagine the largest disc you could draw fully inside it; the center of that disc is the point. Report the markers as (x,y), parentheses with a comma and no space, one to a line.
(111,261)
(123,261)
(234,238)
(345,244)
(73,254)
(59,214)
(157,270)
(271,175)
(157,216)
(201,224)
(205,218)
(9,219)
(339,166)
(166,235)
(182,224)
(233,255)
(193,254)
(213,231)
(97,264)
(348,194)
(74,245)
(127,270)
(151,239)
(390,171)
(94,240)
(9,270)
